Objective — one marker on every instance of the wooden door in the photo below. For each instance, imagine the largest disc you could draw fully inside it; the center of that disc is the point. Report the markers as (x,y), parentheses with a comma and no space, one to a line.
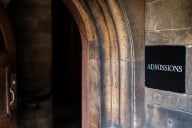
(7,74)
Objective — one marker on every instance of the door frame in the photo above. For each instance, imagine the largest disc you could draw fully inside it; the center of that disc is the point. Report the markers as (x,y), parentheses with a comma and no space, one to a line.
(109,93)
(10,119)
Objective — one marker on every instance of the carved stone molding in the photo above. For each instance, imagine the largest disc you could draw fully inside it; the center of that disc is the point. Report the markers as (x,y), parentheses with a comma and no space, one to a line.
(108,63)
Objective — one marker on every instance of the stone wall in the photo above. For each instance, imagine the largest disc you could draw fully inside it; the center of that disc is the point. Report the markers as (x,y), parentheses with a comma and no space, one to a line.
(168,22)
(135,13)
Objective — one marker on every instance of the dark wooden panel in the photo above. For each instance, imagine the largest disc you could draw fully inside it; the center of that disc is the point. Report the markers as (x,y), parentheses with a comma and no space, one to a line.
(2,42)
(4,97)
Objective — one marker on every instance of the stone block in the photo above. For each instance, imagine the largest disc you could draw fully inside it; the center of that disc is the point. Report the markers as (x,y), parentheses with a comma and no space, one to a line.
(163,117)
(168,14)
(169,37)
(188,74)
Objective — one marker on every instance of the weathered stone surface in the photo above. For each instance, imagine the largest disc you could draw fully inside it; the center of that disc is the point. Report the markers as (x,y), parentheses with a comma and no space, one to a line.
(94,94)
(115,52)
(163,117)
(150,0)
(126,94)
(139,94)
(168,22)
(168,99)
(110,92)
(169,37)
(135,20)
(94,52)
(168,14)
(188,76)
(135,14)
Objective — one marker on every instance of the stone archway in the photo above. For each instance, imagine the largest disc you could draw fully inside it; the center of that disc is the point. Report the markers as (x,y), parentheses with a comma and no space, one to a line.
(108,59)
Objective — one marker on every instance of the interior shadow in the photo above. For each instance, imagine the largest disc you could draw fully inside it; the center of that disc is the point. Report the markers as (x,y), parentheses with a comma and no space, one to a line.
(66,70)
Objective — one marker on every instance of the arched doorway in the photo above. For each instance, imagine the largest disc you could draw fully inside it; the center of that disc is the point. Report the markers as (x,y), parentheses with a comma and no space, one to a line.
(110,63)
(107,61)
(66,65)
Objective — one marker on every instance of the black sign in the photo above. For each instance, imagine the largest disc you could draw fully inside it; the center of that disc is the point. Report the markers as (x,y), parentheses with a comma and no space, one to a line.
(165,68)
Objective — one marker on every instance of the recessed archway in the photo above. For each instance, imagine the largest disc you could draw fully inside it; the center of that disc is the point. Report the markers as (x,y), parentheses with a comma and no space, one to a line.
(108,60)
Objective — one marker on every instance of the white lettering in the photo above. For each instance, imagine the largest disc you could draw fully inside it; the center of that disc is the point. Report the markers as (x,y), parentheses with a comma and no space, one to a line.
(166,68)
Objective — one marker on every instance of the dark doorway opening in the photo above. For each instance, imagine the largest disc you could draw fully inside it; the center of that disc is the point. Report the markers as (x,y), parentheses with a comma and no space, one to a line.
(66,73)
